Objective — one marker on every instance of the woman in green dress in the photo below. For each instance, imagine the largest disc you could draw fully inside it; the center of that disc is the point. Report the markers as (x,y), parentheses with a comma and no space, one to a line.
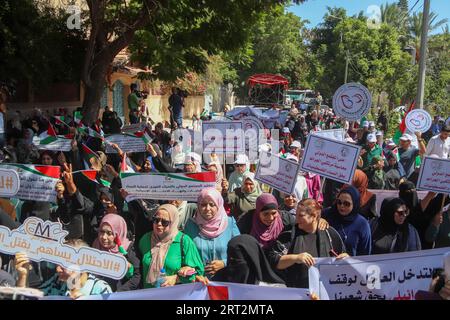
(167,248)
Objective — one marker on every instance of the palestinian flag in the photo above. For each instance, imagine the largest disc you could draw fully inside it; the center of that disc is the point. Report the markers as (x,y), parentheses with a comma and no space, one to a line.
(88,152)
(402,127)
(126,166)
(40,170)
(60,120)
(91,175)
(144,136)
(93,133)
(77,118)
(48,136)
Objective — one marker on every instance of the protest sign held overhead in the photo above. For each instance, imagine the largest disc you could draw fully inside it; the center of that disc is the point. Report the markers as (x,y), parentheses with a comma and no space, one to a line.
(44,241)
(37,182)
(279,173)
(330,158)
(352,101)
(434,175)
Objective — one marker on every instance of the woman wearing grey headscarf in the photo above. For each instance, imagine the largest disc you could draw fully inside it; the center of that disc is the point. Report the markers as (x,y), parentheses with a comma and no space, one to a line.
(26,150)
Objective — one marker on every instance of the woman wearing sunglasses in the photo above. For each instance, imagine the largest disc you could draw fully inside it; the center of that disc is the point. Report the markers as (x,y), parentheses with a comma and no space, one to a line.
(353,228)
(167,248)
(211,229)
(391,232)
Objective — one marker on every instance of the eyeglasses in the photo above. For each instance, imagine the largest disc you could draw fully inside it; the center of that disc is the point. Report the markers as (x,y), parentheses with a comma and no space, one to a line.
(164,223)
(404,213)
(343,203)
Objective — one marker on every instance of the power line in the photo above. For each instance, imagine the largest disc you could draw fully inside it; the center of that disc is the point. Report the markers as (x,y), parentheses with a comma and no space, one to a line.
(409,11)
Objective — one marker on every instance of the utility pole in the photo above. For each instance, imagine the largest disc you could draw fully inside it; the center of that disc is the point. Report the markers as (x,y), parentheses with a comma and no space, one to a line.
(346,67)
(423,55)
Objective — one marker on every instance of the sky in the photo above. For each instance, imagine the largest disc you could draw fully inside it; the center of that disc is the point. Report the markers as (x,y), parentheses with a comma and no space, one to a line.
(314,10)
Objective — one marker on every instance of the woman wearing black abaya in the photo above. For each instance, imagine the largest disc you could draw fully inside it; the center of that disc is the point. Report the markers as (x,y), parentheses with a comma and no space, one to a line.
(421,211)
(391,232)
(246,263)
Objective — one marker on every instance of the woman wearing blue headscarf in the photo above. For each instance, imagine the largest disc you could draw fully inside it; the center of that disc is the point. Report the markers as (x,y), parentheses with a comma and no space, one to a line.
(353,228)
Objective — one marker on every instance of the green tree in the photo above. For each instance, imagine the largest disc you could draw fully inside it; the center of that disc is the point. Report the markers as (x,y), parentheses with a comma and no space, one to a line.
(170,36)
(35,44)
(415,26)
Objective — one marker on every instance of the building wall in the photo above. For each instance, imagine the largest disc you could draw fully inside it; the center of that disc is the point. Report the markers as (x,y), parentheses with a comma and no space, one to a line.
(65,96)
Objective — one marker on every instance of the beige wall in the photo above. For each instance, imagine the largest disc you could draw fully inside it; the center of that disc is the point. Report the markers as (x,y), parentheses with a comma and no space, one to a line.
(156,104)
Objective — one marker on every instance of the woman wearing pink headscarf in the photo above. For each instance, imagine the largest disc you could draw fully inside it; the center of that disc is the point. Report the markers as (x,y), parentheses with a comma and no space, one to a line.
(266,222)
(211,229)
(314,186)
(112,237)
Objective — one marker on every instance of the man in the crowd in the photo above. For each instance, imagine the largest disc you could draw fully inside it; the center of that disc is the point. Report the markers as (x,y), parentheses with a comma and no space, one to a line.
(372,149)
(295,149)
(408,153)
(133,104)
(439,145)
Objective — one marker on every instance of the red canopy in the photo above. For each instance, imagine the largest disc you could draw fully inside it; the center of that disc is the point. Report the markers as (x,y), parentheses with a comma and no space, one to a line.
(268,80)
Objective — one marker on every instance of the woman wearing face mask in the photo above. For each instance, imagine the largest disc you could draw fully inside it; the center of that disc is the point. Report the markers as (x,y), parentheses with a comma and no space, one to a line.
(247,263)
(167,248)
(353,228)
(294,250)
(112,237)
(391,232)
(243,199)
(393,172)
(211,229)
(422,212)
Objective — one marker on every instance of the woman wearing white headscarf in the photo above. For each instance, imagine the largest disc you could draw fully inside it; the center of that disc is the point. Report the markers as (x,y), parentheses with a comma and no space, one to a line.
(243,199)
(241,166)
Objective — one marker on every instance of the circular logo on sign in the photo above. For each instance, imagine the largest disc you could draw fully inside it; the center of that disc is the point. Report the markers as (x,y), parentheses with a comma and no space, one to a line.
(436,165)
(319,144)
(344,152)
(418,120)
(288,167)
(352,101)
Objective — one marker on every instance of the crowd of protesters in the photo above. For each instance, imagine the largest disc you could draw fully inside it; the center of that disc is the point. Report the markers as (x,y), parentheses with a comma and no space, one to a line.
(235,232)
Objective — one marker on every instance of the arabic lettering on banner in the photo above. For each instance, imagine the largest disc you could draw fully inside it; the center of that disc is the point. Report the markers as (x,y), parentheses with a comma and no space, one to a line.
(352,101)
(330,158)
(167,186)
(418,120)
(60,144)
(335,134)
(132,128)
(35,184)
(395,276)
(198,291)
(279,173)
(434,175)
(127,143)
(44,241)
(9,183)
(223,137)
